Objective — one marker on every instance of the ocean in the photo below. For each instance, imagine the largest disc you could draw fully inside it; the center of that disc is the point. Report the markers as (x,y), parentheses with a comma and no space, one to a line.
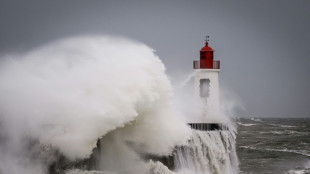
(273,145)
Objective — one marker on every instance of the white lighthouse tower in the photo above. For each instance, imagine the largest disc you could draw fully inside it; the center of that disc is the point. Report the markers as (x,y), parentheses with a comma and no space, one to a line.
(206,77)
(207,86)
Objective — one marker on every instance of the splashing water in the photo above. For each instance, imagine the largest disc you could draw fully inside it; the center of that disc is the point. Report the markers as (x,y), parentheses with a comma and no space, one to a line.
(187,79)
(61,98)
(206,152)
(68,94)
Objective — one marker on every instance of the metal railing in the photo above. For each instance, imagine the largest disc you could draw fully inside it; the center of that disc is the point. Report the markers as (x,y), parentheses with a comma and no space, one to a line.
(196,64)
(216,65)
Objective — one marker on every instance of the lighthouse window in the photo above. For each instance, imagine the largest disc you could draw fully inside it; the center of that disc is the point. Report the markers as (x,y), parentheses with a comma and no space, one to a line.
(202,55)
(204,87)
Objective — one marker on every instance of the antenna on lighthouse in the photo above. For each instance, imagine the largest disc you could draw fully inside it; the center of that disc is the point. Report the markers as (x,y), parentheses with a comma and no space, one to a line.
(207,38)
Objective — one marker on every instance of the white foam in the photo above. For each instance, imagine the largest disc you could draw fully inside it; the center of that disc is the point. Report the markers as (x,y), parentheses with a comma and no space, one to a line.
(284,126)
(302,171)
(290,132)
(256,119)
(208,152)
(247,125)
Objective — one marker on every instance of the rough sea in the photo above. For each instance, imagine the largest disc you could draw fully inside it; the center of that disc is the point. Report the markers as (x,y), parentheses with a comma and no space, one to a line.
(273,145)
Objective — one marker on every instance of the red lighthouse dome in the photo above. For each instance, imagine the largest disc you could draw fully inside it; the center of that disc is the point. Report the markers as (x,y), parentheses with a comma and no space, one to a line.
(206,57)
(206,48)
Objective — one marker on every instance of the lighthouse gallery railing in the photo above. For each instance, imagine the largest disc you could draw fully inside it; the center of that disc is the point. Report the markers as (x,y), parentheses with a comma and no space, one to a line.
(216,65)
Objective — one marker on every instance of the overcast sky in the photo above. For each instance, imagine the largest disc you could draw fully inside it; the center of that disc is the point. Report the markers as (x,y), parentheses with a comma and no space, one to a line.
(263,45)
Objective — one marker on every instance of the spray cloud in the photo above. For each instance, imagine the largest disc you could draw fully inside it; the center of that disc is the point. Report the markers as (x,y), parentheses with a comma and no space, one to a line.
(64,96)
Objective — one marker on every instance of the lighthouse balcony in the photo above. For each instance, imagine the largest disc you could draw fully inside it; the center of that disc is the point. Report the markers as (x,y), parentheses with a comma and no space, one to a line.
(206,65)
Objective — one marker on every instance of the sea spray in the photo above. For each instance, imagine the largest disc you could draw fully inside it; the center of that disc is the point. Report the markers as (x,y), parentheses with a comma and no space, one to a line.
(68,94)
(58,101)
(207,152)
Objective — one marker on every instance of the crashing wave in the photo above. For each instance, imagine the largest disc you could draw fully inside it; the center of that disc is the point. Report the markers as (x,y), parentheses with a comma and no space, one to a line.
(58,100)
(208,152)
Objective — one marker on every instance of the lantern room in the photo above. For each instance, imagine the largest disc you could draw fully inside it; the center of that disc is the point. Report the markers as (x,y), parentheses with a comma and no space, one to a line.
(206,58)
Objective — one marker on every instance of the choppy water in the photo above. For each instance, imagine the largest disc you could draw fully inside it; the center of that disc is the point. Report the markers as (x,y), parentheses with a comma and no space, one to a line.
(273,146)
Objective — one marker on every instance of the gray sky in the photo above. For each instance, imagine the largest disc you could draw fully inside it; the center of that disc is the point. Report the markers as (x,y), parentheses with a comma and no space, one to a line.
(263,45)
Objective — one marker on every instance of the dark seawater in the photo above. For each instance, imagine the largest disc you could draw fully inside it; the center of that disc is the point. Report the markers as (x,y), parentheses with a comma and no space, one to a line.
(273,145)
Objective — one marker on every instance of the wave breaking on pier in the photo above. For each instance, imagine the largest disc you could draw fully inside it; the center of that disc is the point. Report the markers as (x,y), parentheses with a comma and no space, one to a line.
(59,100)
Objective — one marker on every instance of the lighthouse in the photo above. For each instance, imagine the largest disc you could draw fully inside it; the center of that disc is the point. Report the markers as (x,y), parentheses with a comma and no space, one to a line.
(206,86)
(207,77)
